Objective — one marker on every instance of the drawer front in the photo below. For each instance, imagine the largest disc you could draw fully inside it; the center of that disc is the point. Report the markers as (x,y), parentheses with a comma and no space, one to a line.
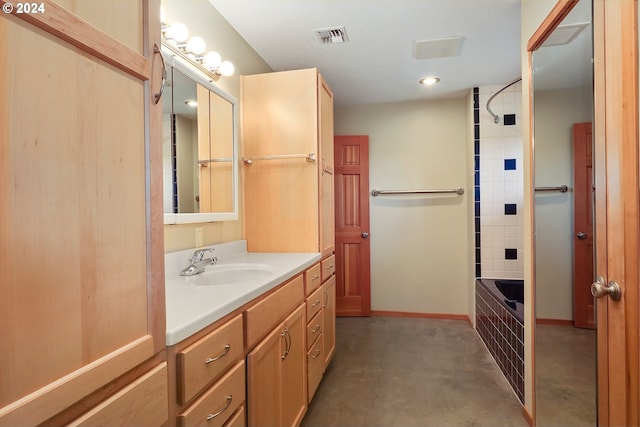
(328,267)
(266,314)
(312,279)
(238,419)
(315,364)
(206,359)
(219,402)
(314,303)
(142,403)
(314,329)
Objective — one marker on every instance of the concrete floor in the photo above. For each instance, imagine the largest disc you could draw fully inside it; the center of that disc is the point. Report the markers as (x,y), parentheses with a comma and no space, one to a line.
(565,376)
(390,371)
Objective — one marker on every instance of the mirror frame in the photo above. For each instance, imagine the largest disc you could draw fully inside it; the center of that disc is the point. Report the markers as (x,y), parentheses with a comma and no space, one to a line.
(561,9)
(182,65)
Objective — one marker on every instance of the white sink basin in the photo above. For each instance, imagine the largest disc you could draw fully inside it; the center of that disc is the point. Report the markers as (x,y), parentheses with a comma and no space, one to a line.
(229,274)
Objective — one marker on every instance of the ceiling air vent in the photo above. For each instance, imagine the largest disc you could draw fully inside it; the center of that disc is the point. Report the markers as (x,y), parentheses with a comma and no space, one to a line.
(437,48)
(332,35)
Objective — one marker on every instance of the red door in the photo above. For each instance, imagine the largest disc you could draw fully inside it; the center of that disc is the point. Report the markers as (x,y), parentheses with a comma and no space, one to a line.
(353,293)
(583,275)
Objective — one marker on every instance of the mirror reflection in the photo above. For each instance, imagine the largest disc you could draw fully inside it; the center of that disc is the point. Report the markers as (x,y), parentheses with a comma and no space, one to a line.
(565,358)
(199,169)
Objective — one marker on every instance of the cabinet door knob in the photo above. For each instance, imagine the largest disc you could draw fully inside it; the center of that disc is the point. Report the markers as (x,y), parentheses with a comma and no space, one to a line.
(365,235)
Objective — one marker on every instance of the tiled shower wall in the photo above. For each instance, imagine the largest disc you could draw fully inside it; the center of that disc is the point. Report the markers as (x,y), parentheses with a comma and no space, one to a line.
(499,238)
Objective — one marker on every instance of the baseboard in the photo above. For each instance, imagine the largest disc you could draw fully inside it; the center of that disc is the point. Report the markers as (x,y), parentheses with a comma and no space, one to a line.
(421,315)
(557,322)
(528,416)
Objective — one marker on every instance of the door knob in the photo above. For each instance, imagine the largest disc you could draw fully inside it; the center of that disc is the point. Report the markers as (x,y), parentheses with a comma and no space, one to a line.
(365,235)
(600,289)
(581,235)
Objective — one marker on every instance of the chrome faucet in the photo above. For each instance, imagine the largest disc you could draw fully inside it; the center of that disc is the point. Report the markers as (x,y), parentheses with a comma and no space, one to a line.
(198,262)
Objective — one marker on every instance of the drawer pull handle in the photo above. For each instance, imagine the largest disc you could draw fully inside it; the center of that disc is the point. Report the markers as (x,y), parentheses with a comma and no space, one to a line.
(212,416)
(316,355)
(329,267)
(315,329)
(316,277)
(224,353)
(315,304)
(326,297)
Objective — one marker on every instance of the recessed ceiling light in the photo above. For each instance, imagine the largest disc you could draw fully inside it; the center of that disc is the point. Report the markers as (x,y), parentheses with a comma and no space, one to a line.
(428,81)
(191,103)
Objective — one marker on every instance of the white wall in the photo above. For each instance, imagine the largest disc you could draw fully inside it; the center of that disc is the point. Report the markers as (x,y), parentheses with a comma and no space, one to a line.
(420,245)
(555,113)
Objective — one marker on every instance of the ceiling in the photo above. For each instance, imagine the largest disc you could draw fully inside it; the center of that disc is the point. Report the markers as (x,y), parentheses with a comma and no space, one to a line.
(377,64)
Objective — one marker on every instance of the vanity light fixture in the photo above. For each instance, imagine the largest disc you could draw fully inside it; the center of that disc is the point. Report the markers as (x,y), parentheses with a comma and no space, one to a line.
(430,80)
(175,37)
(191,102)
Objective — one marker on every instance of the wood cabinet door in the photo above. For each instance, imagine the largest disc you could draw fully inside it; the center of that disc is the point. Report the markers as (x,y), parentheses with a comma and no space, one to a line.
(325,126)
(276,375)
(294,370)
(264,385)
(81,270)
(329,329)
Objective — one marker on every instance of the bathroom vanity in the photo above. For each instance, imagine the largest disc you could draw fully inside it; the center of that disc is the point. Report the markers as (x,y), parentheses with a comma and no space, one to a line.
(252,350)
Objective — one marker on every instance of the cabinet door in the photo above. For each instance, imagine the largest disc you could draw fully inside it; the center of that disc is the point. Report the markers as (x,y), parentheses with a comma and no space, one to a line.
(329,331)
(276,375)
(294,370)
(80,279)
(264,385)
(327,212)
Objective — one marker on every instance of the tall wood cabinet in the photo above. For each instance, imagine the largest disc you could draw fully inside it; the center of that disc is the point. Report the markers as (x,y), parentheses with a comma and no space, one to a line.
(81,246)
(287,137)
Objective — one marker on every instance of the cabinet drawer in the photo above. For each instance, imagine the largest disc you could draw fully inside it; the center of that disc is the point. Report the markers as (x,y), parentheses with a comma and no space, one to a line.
(314,303)
(314,329)
(238,419)
(219,402)
(266,314)
(328,267)
(312,279)
(142,403)
(206,359)
(315,365)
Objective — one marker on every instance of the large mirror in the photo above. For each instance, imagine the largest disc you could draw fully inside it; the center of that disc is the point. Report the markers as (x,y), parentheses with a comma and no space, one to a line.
(199,146)
(565,341)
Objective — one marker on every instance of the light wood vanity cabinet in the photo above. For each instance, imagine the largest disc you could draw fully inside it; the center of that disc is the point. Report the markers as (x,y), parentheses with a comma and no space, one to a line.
(288,202)
(81,178)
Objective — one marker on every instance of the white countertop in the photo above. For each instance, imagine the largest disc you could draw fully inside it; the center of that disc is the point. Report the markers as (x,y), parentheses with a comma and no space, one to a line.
(191,308)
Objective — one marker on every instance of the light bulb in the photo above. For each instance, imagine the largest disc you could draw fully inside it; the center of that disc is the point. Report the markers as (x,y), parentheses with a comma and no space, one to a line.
(226,68)
(196,45)
(431,80)
(212,60)
(178,32)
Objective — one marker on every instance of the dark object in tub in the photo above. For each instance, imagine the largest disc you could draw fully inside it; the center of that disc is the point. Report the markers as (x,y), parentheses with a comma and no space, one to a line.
(511,303)
(513,290)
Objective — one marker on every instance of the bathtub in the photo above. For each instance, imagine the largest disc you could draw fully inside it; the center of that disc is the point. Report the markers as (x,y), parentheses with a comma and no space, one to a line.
(500,325)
